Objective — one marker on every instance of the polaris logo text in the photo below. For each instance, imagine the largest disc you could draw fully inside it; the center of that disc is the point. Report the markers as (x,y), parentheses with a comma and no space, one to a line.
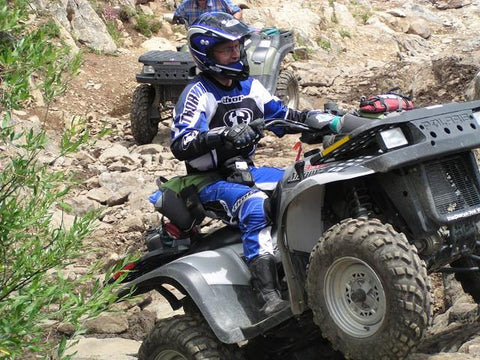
(463,214)
(445,121)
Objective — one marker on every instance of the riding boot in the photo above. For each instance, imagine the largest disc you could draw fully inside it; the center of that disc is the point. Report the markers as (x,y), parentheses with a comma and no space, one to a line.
(265,280)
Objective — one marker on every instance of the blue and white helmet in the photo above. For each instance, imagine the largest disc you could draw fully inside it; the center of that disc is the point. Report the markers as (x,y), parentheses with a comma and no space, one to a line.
(214,28)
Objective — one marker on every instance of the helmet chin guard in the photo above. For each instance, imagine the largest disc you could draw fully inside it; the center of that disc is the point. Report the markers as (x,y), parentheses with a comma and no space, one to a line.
(211,29)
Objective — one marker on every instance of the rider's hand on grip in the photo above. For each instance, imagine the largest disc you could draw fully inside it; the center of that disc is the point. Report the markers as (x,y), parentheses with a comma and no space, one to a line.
(259,126)
(240,136)
(321,120)
(332,108)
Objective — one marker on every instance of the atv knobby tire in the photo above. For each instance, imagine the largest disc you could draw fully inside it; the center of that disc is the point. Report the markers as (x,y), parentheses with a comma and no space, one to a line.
(144,128)
(368,290)
(185,337)
(287,89)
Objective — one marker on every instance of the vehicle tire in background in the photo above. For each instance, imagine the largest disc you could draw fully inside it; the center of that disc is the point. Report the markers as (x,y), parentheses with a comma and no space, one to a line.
(184,337)
(287,89)
(144,127)
(368,290)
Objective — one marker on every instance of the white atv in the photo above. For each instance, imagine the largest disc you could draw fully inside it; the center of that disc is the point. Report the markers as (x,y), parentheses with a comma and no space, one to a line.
(359,226)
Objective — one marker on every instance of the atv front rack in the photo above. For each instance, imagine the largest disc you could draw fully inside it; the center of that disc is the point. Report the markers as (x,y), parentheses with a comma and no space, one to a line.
(432,132)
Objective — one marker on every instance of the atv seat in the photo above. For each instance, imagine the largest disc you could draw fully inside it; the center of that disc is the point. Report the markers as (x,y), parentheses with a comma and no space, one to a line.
(221,237)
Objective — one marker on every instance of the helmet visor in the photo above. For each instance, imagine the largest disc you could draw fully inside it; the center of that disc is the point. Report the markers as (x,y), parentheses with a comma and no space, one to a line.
(226,49)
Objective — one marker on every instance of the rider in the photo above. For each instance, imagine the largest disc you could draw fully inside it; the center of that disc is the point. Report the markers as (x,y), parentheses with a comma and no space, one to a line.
(216,128)
(189,10)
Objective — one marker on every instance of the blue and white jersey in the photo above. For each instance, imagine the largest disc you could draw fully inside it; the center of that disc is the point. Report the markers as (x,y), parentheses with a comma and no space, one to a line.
(205,105)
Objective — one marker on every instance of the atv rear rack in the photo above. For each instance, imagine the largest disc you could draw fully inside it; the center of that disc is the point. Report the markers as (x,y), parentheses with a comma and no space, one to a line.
(169,68)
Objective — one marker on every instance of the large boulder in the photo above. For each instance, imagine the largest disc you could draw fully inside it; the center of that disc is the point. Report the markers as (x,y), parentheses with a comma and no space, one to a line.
(86,27)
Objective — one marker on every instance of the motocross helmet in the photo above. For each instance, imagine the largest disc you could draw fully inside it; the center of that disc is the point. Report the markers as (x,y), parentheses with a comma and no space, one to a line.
(211,29)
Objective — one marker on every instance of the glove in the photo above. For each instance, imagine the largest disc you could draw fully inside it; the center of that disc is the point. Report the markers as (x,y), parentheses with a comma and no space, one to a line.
(332,108)
(318,120)
(240,136)
(259,126)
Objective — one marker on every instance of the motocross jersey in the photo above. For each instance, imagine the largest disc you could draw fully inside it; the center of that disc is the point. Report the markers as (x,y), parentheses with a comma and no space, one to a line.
(205,105)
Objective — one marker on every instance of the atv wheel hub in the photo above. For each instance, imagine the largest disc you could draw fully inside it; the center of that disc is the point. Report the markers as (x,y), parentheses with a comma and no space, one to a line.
(355,297)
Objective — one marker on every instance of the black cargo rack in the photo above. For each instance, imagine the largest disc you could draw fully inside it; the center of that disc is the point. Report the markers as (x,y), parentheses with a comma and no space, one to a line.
(171,67)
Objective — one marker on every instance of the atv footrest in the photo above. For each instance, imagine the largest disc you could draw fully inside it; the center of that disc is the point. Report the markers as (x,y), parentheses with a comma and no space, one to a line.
(261,327)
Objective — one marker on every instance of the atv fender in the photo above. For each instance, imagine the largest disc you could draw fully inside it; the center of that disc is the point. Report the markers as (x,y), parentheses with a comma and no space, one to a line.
(266,55)
(301,207)
(218,281)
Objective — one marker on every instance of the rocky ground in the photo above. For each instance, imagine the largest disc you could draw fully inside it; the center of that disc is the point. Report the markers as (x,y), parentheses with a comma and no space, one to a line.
(345,50)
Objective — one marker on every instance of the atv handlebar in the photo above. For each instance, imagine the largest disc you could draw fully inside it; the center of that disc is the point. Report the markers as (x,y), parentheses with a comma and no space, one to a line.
(316,135)
(349,122)
(294,126)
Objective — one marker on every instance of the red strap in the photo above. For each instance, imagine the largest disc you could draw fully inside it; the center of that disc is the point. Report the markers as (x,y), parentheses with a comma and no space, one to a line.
(176,233)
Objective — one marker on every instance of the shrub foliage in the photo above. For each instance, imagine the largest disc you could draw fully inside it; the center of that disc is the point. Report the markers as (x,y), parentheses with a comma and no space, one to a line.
(35,291)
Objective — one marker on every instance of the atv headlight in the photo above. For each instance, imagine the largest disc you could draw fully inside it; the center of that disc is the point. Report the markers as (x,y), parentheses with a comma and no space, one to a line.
(392,139)
(476,116)
(148,69)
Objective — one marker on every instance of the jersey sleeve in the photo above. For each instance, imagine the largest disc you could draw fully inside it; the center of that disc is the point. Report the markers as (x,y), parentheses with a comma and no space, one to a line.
(232,7)
(273,107)
(180,11)
(190,124)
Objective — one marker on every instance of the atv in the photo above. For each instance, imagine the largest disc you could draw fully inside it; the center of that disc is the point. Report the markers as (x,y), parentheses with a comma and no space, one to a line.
(165,74)
(359,226)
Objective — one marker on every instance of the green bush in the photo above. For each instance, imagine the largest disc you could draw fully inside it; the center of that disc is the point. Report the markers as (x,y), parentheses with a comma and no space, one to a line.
(24,53)
(126,13)
(114,33)
(146,25)
(142,26)
(324,44)
(33,252)
(360,12)
(51,29)
(155,25)
(344,33)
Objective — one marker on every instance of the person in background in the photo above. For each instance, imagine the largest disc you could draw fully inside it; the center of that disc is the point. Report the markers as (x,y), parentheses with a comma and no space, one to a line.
(189,10)
(217,123)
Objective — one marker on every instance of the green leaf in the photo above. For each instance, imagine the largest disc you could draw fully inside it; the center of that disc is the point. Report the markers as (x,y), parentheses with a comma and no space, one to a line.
(34,254)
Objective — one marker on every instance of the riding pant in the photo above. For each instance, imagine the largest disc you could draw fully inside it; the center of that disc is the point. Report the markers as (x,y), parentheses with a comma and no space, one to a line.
(244,207)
